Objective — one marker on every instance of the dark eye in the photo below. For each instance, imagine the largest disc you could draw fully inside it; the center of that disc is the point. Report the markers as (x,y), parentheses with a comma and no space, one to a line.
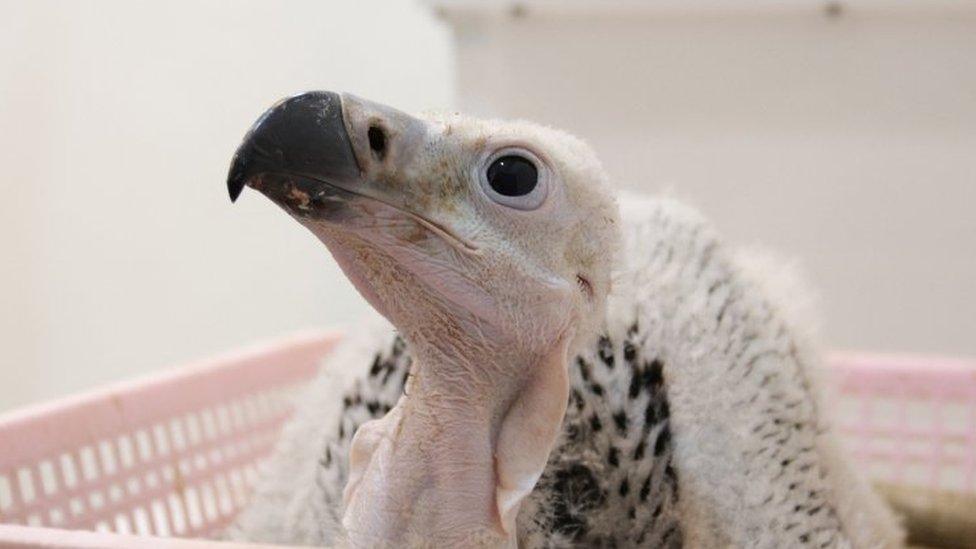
(512,175)
(515,178)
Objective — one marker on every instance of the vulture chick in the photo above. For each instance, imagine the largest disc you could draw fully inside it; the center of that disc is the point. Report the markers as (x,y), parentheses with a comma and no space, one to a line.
(560,378)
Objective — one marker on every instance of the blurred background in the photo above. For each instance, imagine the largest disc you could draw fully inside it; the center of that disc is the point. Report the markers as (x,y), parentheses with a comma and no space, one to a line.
(842,134)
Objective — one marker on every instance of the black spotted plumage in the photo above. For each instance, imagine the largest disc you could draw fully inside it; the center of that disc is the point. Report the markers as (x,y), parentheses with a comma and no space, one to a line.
(601,486)
(377,393)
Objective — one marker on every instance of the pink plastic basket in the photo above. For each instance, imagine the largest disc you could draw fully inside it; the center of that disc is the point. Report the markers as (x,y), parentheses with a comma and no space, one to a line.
(149,462)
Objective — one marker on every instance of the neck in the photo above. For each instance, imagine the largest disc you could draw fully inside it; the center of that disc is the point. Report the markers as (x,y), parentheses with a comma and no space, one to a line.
(448,466)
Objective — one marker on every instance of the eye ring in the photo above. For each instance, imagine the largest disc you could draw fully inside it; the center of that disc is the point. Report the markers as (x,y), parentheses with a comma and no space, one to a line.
(507,175)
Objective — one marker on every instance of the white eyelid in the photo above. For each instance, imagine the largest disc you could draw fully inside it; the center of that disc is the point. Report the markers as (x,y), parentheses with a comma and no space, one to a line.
(526,202)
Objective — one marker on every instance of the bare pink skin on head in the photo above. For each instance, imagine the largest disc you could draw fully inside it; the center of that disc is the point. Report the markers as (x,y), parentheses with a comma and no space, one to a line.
(492,294)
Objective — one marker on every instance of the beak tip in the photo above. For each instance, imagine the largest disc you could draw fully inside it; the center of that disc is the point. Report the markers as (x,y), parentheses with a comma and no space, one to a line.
(236,179)
(234,189)
(302,134)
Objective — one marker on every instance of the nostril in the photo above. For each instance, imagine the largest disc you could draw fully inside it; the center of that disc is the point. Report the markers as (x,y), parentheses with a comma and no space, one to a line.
(377,140)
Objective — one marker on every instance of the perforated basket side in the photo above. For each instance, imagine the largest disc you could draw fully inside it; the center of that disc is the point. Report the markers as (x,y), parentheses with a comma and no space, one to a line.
(175,454)
(169,455)
(910,420)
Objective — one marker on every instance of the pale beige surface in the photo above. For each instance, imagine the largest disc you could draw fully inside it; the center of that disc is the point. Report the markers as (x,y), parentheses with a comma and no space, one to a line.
(934,518)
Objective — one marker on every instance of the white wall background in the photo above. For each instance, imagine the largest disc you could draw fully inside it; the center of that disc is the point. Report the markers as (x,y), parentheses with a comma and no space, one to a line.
(846,139)
(121,252)
(847,142)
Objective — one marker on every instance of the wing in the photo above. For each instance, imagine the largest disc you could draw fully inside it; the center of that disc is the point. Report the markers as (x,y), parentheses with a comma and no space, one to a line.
(696,418)
(757,462)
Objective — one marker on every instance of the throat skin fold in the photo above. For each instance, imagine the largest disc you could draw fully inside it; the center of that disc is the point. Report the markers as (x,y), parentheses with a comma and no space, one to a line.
(450,464)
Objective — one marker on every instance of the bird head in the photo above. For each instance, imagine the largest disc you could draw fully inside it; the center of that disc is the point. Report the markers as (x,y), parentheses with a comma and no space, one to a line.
(500,230)
(489,245)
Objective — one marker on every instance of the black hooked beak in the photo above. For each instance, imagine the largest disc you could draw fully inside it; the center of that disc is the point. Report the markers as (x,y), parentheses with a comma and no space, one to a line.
(298,154)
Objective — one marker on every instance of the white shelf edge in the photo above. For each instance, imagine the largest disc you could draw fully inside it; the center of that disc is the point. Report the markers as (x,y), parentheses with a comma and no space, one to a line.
(691,7)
